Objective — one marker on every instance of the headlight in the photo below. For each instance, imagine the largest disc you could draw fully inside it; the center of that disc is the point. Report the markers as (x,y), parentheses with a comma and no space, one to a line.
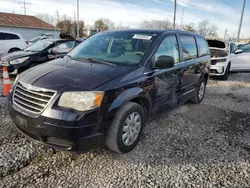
(19,60)
(221,60)
(81,101)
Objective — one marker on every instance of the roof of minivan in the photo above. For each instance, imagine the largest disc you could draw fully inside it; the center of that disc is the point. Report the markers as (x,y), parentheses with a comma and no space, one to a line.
(157,31)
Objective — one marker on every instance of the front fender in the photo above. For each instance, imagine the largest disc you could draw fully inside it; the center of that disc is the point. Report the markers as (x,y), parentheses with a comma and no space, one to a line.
(125,96)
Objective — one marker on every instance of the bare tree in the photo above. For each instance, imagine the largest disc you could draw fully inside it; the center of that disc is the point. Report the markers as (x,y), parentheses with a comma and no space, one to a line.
(207,29)
(100,25)
(190,27)
(159,24)
(47,18)
(108,23)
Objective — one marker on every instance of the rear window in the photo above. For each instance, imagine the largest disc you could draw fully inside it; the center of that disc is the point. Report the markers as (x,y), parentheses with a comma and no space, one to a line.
(189,47)
(216,44)
(8,36)
(203,46)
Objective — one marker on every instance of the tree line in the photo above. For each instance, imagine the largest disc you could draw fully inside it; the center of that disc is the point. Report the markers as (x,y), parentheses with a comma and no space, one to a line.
(69,26)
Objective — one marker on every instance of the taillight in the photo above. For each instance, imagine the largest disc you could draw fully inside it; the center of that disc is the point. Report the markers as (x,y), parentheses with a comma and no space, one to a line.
(27,42)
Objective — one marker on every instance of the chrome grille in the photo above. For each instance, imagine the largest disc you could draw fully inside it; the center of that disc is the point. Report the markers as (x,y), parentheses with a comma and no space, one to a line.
(31,98)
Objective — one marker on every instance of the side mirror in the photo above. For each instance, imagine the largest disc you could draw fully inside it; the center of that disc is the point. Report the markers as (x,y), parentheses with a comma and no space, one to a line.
(238,51)
(164,62)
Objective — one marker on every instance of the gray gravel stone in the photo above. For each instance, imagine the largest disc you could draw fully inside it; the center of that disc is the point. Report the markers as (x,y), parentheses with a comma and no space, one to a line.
(205,145)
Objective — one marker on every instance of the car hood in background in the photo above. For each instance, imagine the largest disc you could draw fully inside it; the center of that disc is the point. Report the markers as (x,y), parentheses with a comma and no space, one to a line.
(216,44)
(71,75)
(16,55)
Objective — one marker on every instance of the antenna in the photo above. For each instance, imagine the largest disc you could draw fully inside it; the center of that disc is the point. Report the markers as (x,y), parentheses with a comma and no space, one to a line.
(24,5)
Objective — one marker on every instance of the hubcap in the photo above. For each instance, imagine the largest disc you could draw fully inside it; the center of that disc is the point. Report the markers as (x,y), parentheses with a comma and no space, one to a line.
(201,90)
(131,128)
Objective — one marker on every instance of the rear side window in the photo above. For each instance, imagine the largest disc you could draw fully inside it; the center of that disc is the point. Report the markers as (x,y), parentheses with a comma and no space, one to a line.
(203,46)
(169,47)
(189,47)
(8,36)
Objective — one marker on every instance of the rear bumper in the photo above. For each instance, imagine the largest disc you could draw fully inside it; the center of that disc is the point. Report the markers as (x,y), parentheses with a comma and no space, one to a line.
(61,134)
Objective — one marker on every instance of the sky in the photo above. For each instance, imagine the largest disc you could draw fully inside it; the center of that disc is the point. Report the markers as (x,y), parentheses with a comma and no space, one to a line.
(223,13)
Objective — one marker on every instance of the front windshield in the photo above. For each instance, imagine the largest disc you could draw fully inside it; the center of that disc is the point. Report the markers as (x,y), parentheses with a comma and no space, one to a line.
(38,46)
(115,47)
(35,39)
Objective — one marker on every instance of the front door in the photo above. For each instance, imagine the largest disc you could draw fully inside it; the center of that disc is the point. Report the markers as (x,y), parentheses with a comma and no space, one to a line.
(167,81)
(241,61)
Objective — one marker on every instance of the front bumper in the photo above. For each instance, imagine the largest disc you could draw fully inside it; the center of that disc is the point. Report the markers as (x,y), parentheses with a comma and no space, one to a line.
(70,133)
(217,70)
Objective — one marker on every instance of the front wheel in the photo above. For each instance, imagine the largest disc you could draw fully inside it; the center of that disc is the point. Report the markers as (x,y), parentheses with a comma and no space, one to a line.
(225,76)
(200,93)
(126,129)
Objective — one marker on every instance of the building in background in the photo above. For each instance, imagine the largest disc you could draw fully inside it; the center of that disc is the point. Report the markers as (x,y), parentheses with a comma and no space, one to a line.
(28,26)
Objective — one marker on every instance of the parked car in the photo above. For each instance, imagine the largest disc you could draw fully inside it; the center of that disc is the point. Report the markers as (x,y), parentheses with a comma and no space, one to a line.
(42,51)
(35,39)
(106,88)
(10,42)
(241,59)
(221,57)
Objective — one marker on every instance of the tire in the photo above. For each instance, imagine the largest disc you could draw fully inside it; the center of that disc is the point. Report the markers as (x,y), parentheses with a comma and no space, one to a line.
(116,132)
(198,98)
(13,50)
(225,76)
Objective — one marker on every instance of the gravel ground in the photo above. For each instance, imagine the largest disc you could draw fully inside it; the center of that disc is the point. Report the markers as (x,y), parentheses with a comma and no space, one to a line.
(205,145)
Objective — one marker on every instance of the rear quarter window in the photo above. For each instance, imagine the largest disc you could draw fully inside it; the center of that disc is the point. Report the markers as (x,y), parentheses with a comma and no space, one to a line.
(189,47)
(203,46)
(8,36)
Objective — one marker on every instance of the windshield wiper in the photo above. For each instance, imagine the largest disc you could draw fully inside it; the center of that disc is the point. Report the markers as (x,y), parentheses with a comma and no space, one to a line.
(99,61)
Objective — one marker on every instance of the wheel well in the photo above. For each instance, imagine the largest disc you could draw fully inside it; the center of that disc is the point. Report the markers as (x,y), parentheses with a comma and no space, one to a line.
(144,104)
(14,49)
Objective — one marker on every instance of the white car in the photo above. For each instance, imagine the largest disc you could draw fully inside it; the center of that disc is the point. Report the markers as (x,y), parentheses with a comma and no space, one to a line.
(222,54)
(241,59)
(10,42)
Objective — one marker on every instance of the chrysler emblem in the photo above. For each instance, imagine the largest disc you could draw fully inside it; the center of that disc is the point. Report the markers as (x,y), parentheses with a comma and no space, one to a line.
(29,87)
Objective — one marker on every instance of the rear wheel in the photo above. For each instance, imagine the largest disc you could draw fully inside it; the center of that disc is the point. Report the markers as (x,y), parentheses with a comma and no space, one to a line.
(200,93)
(126,129)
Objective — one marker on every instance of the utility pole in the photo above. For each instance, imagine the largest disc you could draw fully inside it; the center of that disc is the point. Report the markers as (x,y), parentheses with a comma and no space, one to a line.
(77,35)
(241,19)
(174,12)
(182,16)
(57,16)
(225,34)
(24,5)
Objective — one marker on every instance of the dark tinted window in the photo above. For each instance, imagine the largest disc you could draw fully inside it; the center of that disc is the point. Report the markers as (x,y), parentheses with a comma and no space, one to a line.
(169,47)
(203,46)
(1,36)
(189,47)
(8,36)
(245,48)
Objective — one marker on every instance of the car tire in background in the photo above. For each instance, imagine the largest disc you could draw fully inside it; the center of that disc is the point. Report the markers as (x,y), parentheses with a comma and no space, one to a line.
(225,76)
(126,129)
(200,92)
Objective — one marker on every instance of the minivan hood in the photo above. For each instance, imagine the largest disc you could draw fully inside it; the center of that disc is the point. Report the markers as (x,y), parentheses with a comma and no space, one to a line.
(16,55)
(71,75)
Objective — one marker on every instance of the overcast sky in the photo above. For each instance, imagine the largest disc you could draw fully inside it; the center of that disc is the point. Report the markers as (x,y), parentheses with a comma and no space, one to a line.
(224,13)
